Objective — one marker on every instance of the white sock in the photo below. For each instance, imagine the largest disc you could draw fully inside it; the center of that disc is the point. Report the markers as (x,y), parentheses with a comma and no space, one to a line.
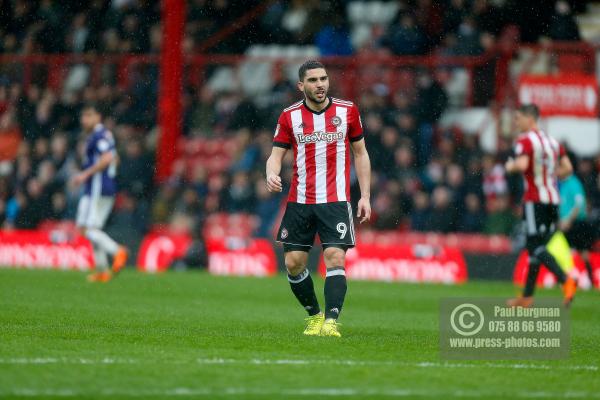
(102,241)
(101,259)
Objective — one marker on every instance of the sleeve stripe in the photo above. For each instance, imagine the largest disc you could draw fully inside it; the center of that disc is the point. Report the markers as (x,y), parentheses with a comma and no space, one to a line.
(283,145)
(357,138)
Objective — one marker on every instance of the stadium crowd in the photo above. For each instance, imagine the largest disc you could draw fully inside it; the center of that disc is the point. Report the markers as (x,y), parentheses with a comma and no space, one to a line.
(425,178)
(133,26)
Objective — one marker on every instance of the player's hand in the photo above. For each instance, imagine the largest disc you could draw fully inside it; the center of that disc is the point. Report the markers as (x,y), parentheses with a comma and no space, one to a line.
(364,210)
(565,225)
(78,179)
(274,183)
(509,165)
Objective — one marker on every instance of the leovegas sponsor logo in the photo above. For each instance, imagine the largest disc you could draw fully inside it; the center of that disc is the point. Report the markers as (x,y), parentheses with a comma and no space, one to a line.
(45,256)
(403,270)
(232,263)
(320,136)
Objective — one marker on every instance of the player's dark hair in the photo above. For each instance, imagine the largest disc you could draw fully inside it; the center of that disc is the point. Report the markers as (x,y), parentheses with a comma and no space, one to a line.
(92,106)
(529,109)
(310,64)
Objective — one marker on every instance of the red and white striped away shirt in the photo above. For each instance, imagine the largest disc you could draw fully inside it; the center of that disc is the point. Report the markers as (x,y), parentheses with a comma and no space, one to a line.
(540,179)
(321,144)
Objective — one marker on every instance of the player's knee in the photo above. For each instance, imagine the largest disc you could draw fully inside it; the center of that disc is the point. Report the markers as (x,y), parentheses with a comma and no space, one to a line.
(89,233)
(295,269)
(294,264)
(334,256)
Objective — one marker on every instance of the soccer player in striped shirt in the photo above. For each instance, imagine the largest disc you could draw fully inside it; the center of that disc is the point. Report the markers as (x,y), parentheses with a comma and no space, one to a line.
(320,130)
(541,160)
(98,178)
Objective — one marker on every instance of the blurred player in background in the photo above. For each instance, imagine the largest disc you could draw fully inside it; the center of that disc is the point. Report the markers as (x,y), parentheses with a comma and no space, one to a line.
(541,160)
(580,233)
(99,179)
(320,130)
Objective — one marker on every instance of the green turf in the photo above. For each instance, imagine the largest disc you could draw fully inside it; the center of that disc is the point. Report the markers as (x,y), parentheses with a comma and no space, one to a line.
(191,335)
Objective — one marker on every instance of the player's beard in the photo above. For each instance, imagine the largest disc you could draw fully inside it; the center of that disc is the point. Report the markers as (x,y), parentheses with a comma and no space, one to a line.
(314,98)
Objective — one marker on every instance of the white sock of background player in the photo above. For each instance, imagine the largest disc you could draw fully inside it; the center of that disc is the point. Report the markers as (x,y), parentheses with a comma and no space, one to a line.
(102,241)
(101,259)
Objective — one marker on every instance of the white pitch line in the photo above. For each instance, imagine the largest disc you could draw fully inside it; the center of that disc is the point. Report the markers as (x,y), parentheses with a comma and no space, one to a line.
(65,360)
(308,392)
(260,361)
(425,364)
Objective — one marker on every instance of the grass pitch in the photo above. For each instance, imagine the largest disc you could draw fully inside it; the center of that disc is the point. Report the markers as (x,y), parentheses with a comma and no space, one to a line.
(192,335)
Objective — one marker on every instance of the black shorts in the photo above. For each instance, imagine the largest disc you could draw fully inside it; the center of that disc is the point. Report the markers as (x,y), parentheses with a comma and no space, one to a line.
(581,236)
(540,224)
(332,221)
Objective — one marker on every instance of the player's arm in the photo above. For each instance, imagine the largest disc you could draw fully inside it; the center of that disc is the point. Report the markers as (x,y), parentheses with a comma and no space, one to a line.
(103,162)
(515,165)
(282,142)
(274,169)
(522,152)
(566,223)
(362,164)
(565,168)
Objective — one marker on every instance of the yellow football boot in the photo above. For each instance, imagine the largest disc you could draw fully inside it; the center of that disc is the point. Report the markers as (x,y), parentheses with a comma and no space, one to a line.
(314,324)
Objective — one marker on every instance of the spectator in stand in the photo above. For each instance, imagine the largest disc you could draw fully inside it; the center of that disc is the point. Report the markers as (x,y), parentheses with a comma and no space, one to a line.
(387,210)
(247,151)
(136,172)
(562,24)
(431,103)
(473,216)
(59,207)
(488,18)
(443,214)
(588,174)
(33,206)
(494,178)
(63,161)
(389,143)
(239,195)
(202,118)
(5,191)
(500,218)
(164,203)
(473,177)
(405,169)
(468,42)
(404,36)
(13,207)
(420,215)
(455,13)
(129,220)
(334,38)
(302,20)
(455,179)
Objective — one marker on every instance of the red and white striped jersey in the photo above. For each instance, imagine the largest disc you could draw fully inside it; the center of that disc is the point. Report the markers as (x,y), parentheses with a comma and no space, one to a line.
(321,144)
(540,179)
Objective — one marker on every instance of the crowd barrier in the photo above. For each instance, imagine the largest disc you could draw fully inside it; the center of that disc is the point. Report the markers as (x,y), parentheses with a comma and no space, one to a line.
(400,261)
(45,249)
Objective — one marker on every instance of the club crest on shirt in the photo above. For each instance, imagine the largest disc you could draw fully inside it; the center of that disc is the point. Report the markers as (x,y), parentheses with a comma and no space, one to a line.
(336,121)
